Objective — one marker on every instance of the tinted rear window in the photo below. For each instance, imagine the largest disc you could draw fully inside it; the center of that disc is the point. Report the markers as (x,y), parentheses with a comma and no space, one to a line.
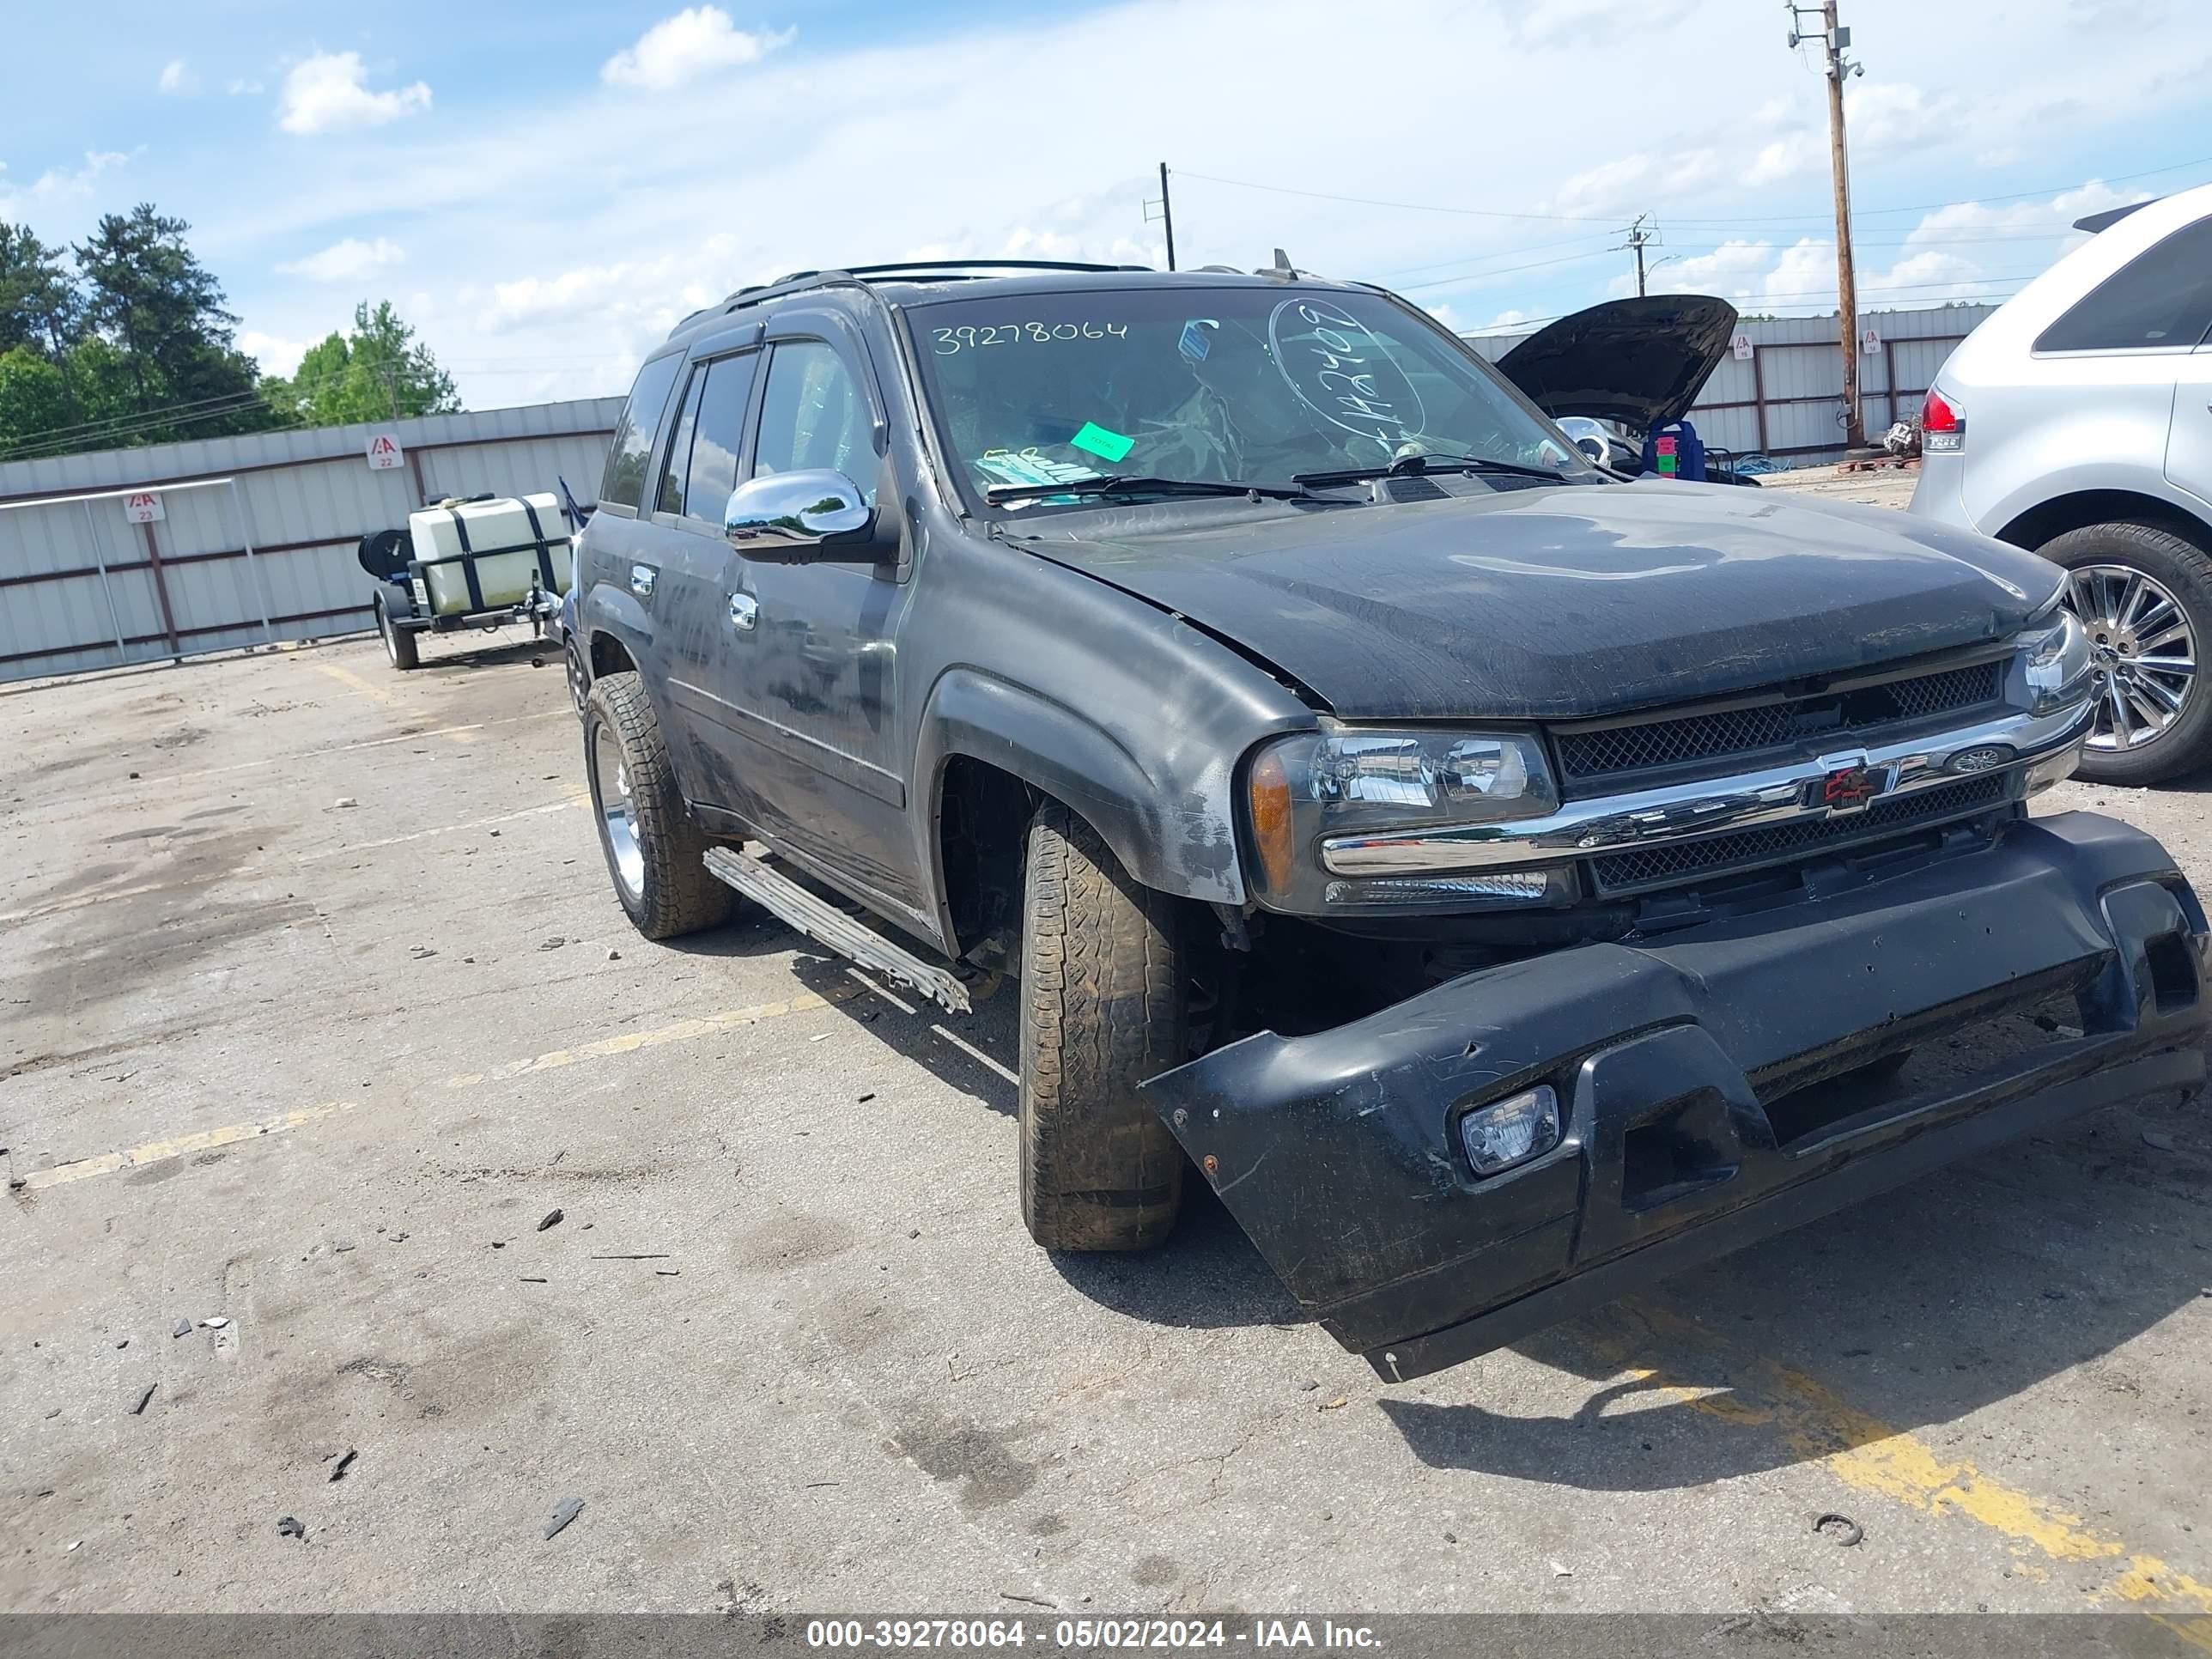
(624,483)
(2162,297)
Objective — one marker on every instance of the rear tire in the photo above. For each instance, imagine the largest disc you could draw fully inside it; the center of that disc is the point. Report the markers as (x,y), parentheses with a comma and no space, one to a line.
(400,643)
(654,848)
(2184,570)
(1102,1010)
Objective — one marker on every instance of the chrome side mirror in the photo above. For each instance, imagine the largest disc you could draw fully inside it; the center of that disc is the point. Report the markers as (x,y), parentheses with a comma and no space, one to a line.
(786,513)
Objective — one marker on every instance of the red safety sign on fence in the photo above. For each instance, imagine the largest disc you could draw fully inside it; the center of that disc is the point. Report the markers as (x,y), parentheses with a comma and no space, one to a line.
(384,451)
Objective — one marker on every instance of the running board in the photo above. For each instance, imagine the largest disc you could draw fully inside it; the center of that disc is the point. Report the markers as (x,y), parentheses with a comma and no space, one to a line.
(825,924)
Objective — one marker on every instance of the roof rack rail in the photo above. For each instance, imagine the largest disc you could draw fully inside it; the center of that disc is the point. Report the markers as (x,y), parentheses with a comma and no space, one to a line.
(797,280)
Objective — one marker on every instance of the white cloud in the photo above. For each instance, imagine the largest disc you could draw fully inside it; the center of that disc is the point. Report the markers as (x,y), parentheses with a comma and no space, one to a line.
(178,79)
(58,186)
(696,41)
(342,262)
(633,206)
(242,87)
(330,91)
(276,356)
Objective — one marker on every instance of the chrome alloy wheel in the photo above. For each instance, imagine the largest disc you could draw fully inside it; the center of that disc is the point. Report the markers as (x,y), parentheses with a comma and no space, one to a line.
(617,815)
(2145,652)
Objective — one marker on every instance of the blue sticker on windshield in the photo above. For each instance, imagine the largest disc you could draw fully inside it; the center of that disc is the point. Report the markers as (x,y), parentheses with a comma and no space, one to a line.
(1193,344)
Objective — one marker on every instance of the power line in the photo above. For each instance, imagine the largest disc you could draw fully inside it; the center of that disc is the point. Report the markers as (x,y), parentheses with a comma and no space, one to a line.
(104,433)
(1610,220)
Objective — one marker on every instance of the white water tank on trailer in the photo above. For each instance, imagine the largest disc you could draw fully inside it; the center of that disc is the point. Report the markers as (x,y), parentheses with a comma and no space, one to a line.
(504,522)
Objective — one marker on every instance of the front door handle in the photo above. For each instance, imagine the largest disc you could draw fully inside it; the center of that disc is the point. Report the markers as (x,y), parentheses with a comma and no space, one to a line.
(744,610)
(641,581)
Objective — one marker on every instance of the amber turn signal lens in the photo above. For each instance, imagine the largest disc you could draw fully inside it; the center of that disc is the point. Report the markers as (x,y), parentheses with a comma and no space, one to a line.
(1271,820)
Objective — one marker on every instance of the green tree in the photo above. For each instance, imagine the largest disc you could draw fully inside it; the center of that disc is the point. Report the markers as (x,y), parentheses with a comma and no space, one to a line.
(39,302)
(35,398)
(375,372)
(147,295)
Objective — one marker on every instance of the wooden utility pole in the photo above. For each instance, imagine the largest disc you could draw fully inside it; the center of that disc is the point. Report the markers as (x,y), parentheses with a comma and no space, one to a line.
(1167,215)
(1638,239)
(1834,39)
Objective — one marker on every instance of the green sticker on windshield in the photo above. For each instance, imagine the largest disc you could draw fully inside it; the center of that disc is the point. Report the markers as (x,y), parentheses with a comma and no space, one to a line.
(1107,445)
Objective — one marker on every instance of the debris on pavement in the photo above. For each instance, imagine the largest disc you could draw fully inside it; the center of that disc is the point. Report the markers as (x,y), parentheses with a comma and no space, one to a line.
(1308,1385)
(124,1343)
(343,802)
(553,944)
(552,1220)
(344,1463)
(568,1511)
(217,1323)
(528,1280)
(139,1410)
(1561,1571)
(865,1098)
(1842,1528)
(288,1526)
(1336,1404)
(660,1256)
(613,955)
(2158,1138)
(184,1328)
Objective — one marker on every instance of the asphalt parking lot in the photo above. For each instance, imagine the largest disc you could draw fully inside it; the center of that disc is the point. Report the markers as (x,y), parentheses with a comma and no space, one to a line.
(314,1003)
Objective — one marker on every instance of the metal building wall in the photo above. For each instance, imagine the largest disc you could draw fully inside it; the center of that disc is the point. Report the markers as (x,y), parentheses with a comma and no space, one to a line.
(1787,402)
(256,544)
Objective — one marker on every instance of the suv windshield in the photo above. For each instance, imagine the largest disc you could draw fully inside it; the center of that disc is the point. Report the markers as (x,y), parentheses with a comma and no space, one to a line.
(1227,386)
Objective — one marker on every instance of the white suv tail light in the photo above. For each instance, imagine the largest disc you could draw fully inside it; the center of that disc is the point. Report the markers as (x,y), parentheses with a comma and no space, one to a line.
(1942,425)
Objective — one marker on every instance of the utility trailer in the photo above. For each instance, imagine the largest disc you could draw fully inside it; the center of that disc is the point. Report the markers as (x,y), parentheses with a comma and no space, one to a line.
(483,562)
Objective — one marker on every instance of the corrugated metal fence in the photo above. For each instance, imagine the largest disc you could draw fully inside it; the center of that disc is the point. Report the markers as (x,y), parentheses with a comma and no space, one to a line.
(1787,400)
(255,537)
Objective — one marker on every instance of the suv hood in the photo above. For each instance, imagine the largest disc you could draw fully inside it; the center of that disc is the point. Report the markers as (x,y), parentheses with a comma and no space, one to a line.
(1641,362)
(1566,602)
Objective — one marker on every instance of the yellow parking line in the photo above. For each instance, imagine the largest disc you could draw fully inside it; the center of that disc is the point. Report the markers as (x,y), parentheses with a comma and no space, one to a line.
(354,682)
(682,1031)
(628,1042)
(1872,1456)
(176,1146)
(424,834)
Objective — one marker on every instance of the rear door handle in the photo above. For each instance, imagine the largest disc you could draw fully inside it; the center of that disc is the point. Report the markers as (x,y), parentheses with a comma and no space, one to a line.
(641,581)
(745,612)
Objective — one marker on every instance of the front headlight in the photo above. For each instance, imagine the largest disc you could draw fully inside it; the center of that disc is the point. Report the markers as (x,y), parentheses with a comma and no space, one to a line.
(1349,781)
(2058,663)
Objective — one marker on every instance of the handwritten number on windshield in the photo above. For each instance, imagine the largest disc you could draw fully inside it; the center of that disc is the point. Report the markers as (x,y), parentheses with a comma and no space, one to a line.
(950,341)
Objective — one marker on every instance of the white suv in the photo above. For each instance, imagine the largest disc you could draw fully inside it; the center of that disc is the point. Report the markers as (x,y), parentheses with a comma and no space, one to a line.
(2077,421)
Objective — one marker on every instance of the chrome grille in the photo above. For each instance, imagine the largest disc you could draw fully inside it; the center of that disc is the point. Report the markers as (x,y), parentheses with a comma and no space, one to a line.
(1732,732)
(1653,867)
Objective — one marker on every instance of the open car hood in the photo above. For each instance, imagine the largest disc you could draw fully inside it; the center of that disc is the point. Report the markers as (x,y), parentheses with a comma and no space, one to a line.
(1642,361)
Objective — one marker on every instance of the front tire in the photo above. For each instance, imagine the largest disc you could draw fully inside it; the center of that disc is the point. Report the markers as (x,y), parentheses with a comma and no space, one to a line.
(2145,596)
(400,643)
(1102,1010)
(654,848)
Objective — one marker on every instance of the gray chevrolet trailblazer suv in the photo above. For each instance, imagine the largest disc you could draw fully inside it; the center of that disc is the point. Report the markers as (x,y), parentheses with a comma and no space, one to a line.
(1504,883)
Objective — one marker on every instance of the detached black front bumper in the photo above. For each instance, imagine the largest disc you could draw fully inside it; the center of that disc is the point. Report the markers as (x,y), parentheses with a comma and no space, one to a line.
(1339,1153)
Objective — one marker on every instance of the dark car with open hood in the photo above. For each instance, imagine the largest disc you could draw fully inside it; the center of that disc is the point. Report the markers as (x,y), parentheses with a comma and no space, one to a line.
(1501,882)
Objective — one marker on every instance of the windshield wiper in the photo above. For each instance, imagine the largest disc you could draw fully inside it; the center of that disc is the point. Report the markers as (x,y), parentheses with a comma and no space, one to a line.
(1117,484)
(1415,463)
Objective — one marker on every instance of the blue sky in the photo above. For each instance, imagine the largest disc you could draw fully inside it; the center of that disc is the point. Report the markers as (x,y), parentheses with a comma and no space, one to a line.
(543,189)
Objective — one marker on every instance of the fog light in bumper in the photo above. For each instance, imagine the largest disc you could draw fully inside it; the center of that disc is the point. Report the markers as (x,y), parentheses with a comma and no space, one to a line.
(1511,1131)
